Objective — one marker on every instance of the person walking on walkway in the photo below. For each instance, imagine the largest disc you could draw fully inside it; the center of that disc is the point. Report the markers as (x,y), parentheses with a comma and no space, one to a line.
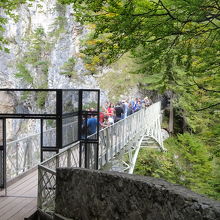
(118,112)
(92,124)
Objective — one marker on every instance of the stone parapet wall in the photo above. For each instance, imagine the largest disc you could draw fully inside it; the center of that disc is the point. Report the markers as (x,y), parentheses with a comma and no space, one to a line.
(83,194)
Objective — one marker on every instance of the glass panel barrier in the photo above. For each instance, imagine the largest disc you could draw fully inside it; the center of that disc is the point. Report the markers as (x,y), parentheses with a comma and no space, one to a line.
(49,133)
(70,101)
(28,102)
(90,100)
(70,130)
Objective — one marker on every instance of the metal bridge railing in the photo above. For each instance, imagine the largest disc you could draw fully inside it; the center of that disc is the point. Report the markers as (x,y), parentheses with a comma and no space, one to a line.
(24,153)
(47,175)
(112,140)
(117,136)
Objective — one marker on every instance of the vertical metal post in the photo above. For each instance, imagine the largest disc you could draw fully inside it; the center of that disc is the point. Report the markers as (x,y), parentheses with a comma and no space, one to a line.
(59,127)
(4,157)
(86,154)
(80,126)
(97,148)
(86,143)
(16,158)
(40,188)
(29,155)
(68,158)
(41,139)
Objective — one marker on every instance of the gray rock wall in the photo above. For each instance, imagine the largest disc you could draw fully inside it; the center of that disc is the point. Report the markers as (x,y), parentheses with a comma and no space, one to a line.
(93,195)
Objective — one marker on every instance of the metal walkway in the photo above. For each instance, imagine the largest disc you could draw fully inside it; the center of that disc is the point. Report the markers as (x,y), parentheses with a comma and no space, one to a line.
(125,137)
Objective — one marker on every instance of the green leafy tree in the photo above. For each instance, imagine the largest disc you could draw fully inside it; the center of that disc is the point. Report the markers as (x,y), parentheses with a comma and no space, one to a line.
(187,162)
(175,41)
(175,44)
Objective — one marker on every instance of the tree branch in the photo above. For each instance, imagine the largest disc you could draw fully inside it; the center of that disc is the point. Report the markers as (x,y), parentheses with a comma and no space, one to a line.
(168,12)
(211,106)
(148,13)
(202,88)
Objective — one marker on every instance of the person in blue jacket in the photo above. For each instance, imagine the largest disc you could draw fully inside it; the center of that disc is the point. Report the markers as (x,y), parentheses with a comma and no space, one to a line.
(92,124)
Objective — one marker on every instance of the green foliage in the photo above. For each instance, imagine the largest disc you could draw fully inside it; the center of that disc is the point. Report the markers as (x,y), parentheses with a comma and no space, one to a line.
(90,105)
(36,57)
(50,123)
(25,95)
(175,44)
(187,162)
(24,73)
(41,99)
(68,68)
(58,26)
(36,53)
(7,8)
(91,61)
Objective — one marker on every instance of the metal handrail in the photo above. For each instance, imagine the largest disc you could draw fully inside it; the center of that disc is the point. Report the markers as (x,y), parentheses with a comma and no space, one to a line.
(112,140)
(47,175)
(24,153)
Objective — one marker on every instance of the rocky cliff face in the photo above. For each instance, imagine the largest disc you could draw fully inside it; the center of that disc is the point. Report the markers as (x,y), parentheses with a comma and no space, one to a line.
(44,49)
(44,45)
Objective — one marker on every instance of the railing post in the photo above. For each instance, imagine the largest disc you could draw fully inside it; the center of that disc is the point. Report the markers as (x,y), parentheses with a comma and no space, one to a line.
(68,158)
(107,144)
(25,157)
(40,188)
(113,142)
(57,161)
(16,159)
(29,155)
(59,120)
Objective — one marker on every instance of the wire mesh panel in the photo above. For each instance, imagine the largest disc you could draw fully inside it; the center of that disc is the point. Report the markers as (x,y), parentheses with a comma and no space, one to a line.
(47,175)
(47,187)
(89,155)
(73,156)
(22,155)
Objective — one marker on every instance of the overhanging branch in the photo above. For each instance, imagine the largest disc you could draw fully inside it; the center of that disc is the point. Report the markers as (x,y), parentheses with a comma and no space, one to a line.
(208,107)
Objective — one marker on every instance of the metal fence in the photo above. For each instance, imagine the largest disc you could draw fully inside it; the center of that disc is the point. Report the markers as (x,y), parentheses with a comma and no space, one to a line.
(112,140)
(47,175)
(24,153)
